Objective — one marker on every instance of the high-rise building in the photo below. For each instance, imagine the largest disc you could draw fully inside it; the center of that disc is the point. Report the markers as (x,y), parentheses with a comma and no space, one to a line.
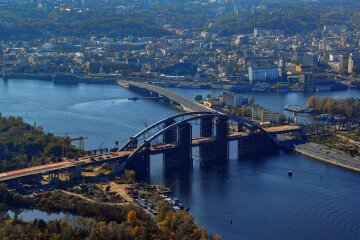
(306,79)
(148,4)
(270,73)
(241,40)
(343,62)
(305,58)
(233,99)
(354,64)
(258,32)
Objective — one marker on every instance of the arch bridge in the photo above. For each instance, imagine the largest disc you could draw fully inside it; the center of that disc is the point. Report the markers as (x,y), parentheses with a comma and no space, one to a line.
(174,137)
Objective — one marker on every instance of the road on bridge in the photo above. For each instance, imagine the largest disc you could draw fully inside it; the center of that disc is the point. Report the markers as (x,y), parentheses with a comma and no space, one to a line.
(188,105)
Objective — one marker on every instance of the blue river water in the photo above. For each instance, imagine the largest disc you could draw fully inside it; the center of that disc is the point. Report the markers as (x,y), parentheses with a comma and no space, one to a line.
(255,193)
(32,214)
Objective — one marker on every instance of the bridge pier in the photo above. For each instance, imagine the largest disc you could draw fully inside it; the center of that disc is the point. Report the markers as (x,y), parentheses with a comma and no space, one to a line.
(181,156)
(54,177)
(207,126)
(255,143)
(222,131)
(166,100)
(15,184)
(154,94)
(75,173)
(141,163)
(241,127)
(206,130)
(219,149)
(139,90)
(171,135)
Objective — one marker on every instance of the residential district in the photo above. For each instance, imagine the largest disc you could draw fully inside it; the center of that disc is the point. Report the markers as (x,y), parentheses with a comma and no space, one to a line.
(267,59)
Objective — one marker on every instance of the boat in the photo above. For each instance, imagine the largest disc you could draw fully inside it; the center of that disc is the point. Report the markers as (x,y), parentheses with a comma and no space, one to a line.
(298,90)
(188,86)
(133,98)
(323,88)
(283,90)
(297,109)
(324,117)
(65,78)
(239,89)
(161,84)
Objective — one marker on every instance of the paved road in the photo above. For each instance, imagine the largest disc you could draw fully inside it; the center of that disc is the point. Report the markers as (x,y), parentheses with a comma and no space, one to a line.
(331,156)
(188,105)
(60,166)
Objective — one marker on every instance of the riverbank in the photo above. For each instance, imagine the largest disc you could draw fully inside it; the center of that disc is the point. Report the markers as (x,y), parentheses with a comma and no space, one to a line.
(113,78)
(321,153)
(65,78)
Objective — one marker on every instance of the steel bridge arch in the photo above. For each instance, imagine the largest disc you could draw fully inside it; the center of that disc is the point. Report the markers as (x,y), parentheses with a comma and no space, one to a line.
(247,123)
(199,115)
(252,127)
(154,125)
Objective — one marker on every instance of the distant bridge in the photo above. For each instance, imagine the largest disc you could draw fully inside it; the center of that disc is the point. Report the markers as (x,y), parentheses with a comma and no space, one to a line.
(153,90)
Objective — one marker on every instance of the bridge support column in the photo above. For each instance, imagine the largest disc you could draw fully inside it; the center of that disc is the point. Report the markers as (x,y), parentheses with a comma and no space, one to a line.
(16,184)
(54,177)
(181,156)
(141,163)
(154,94)
(255,143)
(241,127)
(170,136)
(206,127)
(206,130)
(245,146)
(166,100)
(75,173)
(222,131)
(219,149)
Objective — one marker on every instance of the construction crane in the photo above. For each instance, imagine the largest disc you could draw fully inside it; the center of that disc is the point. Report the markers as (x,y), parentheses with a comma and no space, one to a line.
(67,142)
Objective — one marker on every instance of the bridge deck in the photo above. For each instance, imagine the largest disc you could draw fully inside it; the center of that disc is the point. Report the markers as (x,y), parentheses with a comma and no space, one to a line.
(283,129)
(69,164)
(187,104)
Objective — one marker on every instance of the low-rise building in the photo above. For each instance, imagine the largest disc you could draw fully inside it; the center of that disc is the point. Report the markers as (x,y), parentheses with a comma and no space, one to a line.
(264,115)
(212,103)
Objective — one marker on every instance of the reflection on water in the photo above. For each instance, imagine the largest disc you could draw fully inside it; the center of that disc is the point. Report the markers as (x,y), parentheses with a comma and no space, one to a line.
(28,215)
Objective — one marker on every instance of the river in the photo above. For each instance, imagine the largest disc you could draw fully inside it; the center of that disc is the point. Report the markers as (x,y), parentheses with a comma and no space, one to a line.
(255,193)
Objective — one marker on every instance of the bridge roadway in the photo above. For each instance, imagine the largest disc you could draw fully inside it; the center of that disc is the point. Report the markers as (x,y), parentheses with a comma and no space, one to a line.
(70,164)
(192,106)
(188,105)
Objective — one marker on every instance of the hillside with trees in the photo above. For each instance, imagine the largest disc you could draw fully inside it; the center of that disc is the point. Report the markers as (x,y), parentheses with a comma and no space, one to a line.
(23,145)
(29,23)
(292,17)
